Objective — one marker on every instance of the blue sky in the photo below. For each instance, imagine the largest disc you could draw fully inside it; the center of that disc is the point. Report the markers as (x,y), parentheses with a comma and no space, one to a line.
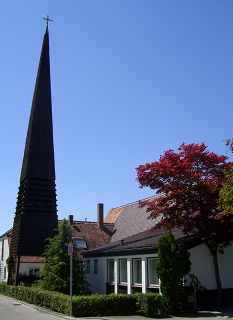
(130,79)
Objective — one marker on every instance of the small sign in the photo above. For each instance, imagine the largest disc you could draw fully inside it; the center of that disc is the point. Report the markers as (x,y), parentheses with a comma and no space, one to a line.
(191,299)
(70,248)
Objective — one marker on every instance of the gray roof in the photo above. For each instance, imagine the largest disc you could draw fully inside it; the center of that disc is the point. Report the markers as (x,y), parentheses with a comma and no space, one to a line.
(143,242)
(132,220)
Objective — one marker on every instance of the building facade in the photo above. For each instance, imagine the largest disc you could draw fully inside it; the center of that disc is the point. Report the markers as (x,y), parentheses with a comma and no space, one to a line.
(129,267)
(4,251)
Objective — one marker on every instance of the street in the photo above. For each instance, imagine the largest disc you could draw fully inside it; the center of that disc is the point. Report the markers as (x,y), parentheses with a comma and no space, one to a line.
(17,310)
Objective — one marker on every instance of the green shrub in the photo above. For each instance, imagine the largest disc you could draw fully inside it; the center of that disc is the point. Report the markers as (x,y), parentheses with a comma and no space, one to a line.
(104,305)
(173,265)
(149,305)
(2,288)
(9,291)
(58,303)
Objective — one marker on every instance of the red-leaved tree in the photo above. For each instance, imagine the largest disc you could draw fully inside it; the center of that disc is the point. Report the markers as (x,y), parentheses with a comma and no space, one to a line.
(188,184)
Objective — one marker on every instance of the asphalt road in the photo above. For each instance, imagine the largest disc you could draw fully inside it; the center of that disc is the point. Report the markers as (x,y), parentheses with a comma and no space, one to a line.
(19,310)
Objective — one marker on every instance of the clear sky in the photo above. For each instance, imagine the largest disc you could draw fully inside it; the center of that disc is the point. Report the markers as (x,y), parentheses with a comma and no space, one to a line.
(130,79)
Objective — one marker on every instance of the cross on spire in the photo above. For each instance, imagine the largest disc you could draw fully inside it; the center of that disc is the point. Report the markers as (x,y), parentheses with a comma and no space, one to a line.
(47,19)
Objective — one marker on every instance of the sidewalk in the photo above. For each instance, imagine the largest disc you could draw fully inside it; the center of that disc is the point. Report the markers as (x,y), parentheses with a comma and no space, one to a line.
(202,315)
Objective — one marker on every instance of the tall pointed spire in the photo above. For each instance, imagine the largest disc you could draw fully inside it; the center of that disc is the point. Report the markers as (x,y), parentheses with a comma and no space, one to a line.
(36,209)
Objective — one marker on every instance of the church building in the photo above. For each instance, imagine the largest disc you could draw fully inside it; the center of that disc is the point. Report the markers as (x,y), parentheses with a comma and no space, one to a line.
(36,209)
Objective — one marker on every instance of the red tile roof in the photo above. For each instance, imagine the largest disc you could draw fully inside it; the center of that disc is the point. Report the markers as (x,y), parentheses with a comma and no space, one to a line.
(113,214)
(92,233)
(28,259)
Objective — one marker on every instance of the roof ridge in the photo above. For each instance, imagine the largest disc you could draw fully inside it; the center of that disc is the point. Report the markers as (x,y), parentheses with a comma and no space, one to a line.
(131,203)
(85,221)
(6,233)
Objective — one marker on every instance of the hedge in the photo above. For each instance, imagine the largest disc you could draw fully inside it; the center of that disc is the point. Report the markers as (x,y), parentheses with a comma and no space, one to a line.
(51,300)
(148,305)
(105,305)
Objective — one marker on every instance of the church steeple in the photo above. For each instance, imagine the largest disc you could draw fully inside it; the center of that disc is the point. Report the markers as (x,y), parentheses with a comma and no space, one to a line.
(36,209)
(39,152)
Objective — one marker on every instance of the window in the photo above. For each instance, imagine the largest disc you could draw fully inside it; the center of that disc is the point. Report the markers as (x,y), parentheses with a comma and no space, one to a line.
(137,271)
(152,275)
(33,271)
(95,266)
(123,271)
(110,276)
(4,276)
(86,266)
(2,255)
(80,243)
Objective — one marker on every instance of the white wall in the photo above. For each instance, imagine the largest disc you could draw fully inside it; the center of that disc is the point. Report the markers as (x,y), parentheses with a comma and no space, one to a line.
(97,280)
(4,253)
(226,267)
(203,268)
(24,267)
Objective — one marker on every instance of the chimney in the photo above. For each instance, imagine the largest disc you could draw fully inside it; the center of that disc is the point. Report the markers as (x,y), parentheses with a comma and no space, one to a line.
(70,219)
(100,215)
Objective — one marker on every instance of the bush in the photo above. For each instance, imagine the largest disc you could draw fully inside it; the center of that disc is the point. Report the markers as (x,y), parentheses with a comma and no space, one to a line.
(104,305)
(173,265)
(149,304)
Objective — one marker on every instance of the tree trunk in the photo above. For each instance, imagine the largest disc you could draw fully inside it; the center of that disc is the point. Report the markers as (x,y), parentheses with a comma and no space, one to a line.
(17,271)
(214,253)
(218,281)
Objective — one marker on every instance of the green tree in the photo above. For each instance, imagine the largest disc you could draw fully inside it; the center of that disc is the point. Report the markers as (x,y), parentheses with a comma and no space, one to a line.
(226,193)
(56,272)
(173,265)
(11,264)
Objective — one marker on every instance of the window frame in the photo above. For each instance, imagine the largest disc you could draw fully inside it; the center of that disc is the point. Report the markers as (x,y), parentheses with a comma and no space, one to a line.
(137,271)
(2,253)
(110,271)
(123,271)
(82,240)
(95,270)
(149,270)
(33,270)
(87,266)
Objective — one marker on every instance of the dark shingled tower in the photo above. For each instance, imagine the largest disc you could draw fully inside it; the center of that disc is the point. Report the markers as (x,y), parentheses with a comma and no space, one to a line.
(36,209)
